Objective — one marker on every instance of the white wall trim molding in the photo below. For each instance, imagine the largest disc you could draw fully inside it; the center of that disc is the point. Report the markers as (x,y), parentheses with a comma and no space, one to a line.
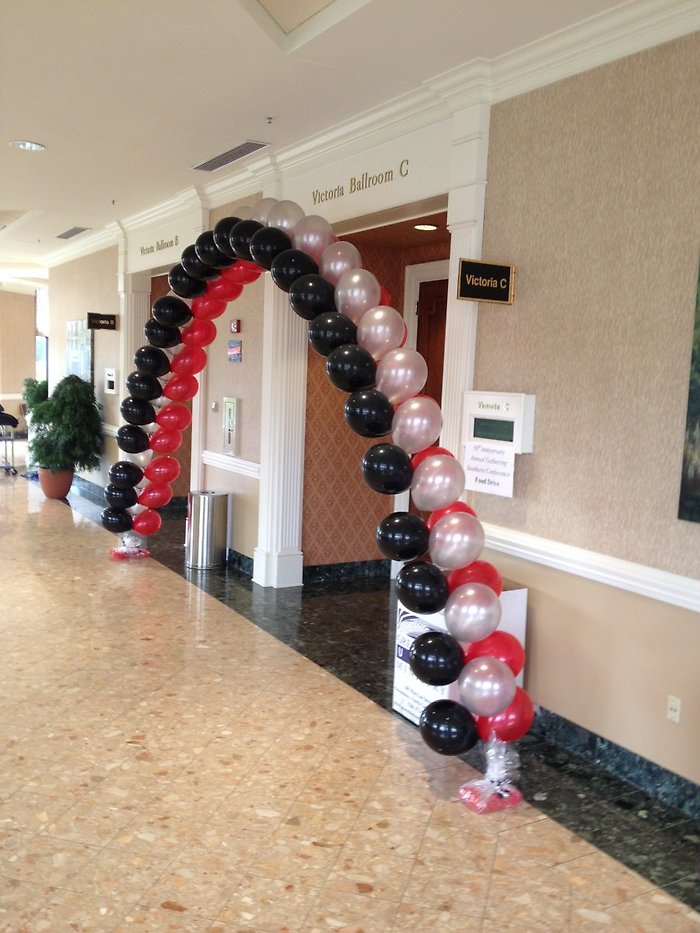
(231,464)
(102,239)
(624,575)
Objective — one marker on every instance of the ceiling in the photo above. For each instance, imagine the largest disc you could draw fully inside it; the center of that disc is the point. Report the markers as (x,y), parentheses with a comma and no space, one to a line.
(128,96)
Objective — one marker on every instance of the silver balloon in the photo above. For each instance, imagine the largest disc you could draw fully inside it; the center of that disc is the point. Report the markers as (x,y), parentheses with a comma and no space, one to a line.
(141,459)
(486,686)
(338,258)
(136,509)
(437,482)
(262,209)
(312,235)
(284,215)
(456,540)
(472,612)
(356,292)
(244,212)
(152,427)
(380,330)
(401,374)
(416,424)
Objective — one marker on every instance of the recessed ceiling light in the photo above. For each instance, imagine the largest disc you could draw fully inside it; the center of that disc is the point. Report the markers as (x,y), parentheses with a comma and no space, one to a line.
(425,227)
(27,145)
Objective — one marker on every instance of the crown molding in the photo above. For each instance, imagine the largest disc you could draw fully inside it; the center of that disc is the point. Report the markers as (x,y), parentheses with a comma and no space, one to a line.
(182,203)
(666,587)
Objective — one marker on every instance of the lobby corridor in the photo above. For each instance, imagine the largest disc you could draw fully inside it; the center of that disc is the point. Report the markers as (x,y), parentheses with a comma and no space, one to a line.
(168,765)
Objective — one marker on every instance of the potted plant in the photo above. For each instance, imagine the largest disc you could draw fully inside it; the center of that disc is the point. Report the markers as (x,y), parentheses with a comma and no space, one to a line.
(67,435)
(35,391)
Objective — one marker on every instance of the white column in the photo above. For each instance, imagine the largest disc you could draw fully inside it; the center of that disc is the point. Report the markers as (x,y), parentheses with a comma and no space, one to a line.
(134,311)
(465,219)
(278,560)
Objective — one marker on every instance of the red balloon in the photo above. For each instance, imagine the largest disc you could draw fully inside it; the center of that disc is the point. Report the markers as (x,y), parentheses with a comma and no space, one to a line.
(440,513)
(175,416)
(385,297)
(501,645)
(512,723)
(480,571)
(224,289)
(429,452)
(189,361)
(165,440)
(147,522)
(162,470)
(155,495)
(200,332)
(207,307)
(242,272)
(181,388)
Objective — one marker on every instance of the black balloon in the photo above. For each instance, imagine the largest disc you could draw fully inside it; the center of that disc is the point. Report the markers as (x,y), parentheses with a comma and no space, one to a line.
(115,520)
(311,295)
(369,413)
(171,311)
(448,728)
(290,265)
(268,243)
(119,497)
(137,411)
(222,234)
(240,237)
(330,330)
(152,361)
(207,250)
(132,439)
(386,468)
(194,266)
(142,386)
(350,368)
(160,335)
(422,587)
(183,284)
(125,474)
(402,536)
(436,658)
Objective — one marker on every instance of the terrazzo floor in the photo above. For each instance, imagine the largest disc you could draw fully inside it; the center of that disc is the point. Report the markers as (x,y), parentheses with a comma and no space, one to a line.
(170,763)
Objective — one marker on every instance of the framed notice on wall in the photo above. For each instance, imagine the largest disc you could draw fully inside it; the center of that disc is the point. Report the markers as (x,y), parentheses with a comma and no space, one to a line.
(689,504)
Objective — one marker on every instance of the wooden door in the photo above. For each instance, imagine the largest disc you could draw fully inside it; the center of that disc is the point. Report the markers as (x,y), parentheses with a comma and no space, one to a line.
(430,338)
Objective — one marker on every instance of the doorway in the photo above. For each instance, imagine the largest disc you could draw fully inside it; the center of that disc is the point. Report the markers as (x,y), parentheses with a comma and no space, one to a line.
(430,336)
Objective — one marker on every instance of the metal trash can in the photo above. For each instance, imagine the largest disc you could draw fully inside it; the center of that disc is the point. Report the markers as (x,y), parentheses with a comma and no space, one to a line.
(206,535)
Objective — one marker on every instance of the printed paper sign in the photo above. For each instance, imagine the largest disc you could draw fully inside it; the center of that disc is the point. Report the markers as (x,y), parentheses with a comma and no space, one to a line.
(489,468)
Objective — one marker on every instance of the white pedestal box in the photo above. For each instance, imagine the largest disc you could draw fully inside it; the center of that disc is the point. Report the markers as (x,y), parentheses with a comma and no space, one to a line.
(411,696)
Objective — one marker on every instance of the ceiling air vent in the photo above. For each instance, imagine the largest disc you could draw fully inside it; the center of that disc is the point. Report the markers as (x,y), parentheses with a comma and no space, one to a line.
(69,234)
(233,155)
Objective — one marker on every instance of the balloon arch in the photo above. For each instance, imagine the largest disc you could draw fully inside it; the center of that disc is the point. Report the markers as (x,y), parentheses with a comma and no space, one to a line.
(352,324)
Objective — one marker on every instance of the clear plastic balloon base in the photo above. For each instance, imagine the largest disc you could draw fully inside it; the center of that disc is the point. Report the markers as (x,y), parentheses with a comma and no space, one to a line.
(131,548)
(496,790)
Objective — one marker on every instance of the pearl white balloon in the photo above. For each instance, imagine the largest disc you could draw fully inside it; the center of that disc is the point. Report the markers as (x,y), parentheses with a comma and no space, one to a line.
(416,424)
(380,330)
(437,482)
(401,374)
(312,235)
(284,215)
(472,612)
(456,540)
(141,459)
(244,212)
(356,292)
(486,686)
(338,258)
(262,209)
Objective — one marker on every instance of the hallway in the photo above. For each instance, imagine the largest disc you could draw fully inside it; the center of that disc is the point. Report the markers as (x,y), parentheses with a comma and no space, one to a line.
(169,765)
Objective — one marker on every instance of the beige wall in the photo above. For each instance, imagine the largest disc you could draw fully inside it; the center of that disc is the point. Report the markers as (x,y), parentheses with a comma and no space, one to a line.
(17,330)
(594,194)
